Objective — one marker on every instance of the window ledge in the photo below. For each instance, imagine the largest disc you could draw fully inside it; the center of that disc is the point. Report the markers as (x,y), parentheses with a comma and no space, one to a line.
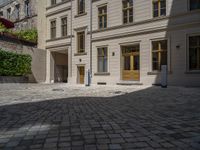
(58,38)
(80,54)
(156,73)
(102,74)
(79,15)
(192,72)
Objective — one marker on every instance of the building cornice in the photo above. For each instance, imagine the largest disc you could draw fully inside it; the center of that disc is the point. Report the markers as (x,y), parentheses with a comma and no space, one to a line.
(58,11)
(145,21)
(146,31)
(57,46)
(58,4)
(60,38)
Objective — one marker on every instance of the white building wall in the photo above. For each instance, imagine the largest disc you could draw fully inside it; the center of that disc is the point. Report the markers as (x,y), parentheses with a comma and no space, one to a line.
(174,27)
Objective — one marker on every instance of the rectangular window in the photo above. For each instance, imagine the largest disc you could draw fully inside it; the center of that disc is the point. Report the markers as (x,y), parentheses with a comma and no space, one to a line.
(159,8)
(27,8)
(17,11)
(159,54)
(102,60)
(53,2)
(127,11)
(53,29)
(64,26)
(81,6)
(102,15)
(8,13)
(194,52)
(194,4)
(81,42)
(1,13)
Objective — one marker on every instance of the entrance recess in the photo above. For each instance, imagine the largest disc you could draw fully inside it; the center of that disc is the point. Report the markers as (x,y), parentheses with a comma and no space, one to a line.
(131,63)
(81,74)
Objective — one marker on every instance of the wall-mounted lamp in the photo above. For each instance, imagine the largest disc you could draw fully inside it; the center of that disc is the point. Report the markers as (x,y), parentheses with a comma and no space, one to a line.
(113,53)
(80,60)
(178,46)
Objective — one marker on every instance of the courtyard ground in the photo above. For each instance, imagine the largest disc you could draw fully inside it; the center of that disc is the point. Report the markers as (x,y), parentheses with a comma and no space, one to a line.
(62,117)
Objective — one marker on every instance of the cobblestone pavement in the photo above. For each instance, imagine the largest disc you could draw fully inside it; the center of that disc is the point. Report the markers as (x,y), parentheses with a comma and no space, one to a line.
(62,117)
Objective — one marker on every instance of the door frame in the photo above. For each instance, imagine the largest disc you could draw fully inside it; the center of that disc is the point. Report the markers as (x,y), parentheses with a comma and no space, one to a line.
(78,74)
(122,60)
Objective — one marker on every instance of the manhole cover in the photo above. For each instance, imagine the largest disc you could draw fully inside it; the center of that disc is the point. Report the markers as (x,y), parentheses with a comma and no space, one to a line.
(58,90)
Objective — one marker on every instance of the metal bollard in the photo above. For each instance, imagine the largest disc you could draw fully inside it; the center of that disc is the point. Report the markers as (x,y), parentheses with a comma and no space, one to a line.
(164,76)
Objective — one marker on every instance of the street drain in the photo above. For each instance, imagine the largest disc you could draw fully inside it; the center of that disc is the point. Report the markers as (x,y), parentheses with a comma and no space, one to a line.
(58,90)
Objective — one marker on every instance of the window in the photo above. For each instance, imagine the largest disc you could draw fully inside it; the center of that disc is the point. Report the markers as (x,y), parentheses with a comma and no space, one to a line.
(53,29)
(159,54)
(27,8)
(1,13)
(81,6)
(81,42)
(102,15)
(17,12)
(8,13)
(102,59)
(194,4)
(127,11)
(159,8)
(64,26)
(194,53)
(53,2)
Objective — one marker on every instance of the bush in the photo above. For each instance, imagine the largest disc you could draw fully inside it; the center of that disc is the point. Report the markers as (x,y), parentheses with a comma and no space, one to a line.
(12,64)
(28,35)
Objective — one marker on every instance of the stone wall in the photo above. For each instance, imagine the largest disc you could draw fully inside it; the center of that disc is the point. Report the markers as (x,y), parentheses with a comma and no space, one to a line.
(38,56)
(24,21)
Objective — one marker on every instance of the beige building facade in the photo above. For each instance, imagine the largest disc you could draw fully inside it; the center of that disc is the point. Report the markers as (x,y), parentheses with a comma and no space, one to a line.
(121,41)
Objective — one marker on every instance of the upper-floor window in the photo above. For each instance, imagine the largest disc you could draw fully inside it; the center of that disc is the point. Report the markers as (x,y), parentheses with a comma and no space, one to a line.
(17,12)
(53,29)
(159,54)
(81,6)
(81,41)
(159,8)
(64,26)
(102,59)
(194,52)
(102,15)
(8,13)
(53,2)
(127,11)
(27,8)
(1,13)
(194,4)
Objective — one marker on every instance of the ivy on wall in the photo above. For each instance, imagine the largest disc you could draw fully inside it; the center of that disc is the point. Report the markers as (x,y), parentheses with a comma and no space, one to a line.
(13,64)
(29,35)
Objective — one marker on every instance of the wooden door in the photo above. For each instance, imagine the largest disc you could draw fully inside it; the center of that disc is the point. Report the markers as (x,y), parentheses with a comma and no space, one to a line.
(81,71)
(131,70)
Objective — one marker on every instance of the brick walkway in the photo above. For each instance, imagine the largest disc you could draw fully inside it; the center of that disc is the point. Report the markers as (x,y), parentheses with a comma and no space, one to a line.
(151,118)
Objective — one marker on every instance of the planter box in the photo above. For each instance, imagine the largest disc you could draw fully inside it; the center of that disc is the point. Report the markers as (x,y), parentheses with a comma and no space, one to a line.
(10,79)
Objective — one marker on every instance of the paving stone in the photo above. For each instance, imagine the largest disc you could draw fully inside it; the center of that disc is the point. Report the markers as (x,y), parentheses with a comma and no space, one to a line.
(35,117)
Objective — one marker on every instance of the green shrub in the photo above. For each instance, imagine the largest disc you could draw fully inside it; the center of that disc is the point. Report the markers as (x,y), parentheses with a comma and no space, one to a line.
(12,64)
(28,35)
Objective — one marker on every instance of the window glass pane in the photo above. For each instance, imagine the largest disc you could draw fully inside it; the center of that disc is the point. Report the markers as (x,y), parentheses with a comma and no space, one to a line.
(194,4)
(155,45)
(127,65)
(155,61)
(163,45)
(163,58)
(193,59)
(136,62)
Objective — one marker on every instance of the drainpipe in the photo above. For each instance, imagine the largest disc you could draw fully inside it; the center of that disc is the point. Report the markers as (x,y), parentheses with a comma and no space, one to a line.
(90,40)
(71,44)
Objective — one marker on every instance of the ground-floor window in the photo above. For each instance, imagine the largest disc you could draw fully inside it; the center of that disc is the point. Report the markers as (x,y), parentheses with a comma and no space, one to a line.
(194,52)
(159,54)
(102,59)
